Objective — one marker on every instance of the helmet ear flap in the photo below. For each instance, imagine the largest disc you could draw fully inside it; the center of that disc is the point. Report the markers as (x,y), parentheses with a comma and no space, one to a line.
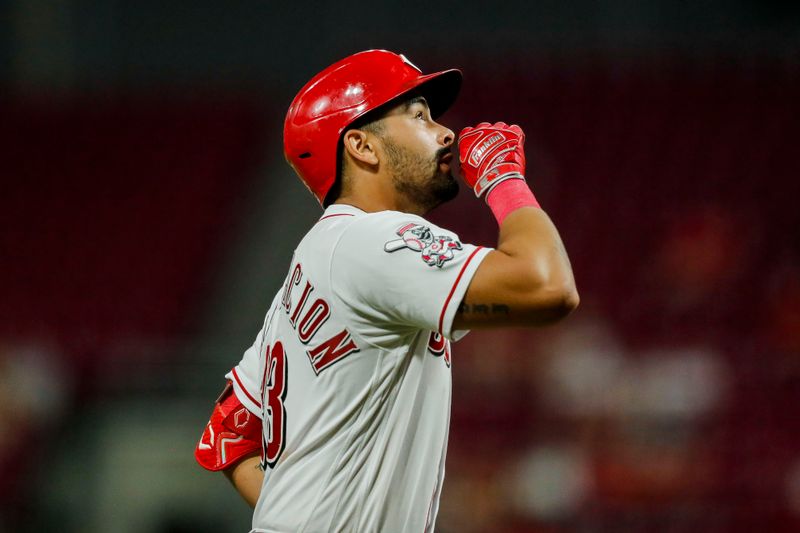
(343,94)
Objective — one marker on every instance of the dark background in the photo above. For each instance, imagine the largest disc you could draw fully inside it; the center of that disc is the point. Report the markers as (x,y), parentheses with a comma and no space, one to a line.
(147,217)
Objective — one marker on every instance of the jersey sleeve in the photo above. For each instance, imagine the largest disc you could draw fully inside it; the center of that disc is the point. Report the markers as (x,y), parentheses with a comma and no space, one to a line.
(244,377)
(395,270)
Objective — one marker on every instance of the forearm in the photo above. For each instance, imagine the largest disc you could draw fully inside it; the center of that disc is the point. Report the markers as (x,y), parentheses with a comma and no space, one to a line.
(531,240)
(247,477)
(527,281)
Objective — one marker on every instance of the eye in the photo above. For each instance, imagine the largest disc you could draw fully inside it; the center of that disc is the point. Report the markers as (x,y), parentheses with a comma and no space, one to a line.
(420,115)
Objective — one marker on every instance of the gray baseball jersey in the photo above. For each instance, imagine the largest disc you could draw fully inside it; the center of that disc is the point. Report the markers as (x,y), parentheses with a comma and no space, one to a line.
(350,375)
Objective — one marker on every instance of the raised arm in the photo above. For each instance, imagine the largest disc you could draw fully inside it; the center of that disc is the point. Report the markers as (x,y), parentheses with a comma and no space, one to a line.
(527,280)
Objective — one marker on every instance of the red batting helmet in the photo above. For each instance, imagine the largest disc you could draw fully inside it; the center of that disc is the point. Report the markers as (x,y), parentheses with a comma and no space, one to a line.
(344,92)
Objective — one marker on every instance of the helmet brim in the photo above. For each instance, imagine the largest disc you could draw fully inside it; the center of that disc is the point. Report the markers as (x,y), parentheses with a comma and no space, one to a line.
(440,90)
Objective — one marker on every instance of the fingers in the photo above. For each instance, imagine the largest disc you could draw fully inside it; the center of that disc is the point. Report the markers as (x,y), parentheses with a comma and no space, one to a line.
(497,125)
(470,135)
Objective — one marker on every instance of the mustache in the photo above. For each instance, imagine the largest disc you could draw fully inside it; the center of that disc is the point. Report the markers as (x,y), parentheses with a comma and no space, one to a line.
(442,152)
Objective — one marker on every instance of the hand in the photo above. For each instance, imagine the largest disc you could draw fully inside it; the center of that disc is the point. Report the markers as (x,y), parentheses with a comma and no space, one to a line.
(490,154)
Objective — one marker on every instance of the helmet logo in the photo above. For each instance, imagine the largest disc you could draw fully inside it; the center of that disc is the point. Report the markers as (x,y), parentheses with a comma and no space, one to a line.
(410,64)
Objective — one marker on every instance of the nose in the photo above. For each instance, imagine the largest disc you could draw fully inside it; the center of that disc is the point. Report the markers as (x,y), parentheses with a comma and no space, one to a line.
(446,136)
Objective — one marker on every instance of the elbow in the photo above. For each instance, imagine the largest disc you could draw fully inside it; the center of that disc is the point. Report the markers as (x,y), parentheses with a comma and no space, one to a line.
(552,288)
(551,300)
(569,294)
(560,301)
(570,299)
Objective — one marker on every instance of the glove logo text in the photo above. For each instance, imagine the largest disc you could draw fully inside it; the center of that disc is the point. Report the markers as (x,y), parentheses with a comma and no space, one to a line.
(477,155)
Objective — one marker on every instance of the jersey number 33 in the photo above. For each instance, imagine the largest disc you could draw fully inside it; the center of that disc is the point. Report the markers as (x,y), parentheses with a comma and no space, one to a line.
(273,391)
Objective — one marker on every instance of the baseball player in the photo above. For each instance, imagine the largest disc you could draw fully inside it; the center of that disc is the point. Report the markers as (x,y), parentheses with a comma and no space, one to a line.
(345,393)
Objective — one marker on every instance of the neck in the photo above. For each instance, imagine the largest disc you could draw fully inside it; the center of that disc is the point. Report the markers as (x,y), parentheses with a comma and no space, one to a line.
(376,193)
(374,205)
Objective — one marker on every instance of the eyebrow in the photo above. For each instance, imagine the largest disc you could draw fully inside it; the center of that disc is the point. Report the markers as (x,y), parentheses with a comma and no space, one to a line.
(416,100)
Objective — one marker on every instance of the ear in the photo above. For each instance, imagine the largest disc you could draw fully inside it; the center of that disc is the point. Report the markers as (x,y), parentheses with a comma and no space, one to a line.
(361,146)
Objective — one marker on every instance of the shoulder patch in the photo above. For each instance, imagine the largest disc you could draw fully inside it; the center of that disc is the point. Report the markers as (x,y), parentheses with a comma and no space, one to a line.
(435,250)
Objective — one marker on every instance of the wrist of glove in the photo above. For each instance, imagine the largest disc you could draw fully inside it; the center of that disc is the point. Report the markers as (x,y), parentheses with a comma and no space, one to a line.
(490,154)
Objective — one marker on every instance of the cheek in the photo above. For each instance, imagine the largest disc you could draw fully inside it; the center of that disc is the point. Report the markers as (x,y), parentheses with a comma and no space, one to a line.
(422,155)
(425,142)
(414,151)
(429,155)
(432,145)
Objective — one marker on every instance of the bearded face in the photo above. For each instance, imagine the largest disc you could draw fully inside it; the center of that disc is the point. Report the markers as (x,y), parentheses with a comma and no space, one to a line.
(420,177)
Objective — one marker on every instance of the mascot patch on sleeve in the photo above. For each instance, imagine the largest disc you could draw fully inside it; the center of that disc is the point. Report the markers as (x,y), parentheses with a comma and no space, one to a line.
(435,250)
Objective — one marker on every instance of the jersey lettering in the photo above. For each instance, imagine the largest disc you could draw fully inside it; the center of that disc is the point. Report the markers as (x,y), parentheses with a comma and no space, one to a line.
(273,411)
(302,303)
(291,281)
(307,320)
(331,351)
(313,320)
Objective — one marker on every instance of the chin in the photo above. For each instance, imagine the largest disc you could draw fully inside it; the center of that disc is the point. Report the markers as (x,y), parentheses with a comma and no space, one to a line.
(445,188)
(426,195)
(451,188)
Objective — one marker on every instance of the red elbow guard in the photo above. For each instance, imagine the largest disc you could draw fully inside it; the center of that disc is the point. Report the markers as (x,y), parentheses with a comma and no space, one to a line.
(232,433)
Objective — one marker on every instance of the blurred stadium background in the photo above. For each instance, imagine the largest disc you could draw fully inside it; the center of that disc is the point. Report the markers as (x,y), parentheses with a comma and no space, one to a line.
(148,217)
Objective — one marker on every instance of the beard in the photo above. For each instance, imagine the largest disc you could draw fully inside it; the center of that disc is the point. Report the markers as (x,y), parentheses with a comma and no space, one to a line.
(418,178)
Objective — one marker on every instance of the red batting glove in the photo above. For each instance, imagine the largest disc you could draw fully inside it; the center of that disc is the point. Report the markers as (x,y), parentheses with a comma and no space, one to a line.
(490,154)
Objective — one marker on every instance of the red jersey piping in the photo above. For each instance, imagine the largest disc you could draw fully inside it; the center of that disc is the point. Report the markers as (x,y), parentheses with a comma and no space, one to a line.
(337,215)
(455,284)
